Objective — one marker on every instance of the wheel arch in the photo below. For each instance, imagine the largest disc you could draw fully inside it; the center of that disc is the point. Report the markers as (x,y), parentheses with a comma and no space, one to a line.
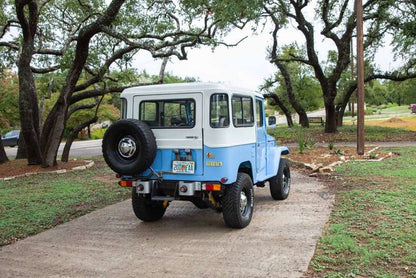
(246,167)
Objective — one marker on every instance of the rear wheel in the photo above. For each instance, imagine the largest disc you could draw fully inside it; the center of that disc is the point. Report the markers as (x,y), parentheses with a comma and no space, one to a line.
(146,209)
(238,201)
(280,184)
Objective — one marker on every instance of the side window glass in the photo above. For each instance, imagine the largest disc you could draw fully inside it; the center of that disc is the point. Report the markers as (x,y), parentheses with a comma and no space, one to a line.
(123,108)
(242,111)
(259,113)
(219,116)
(148,112)
(248,115)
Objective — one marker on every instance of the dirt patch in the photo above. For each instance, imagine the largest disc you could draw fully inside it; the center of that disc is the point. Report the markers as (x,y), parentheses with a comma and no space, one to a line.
(19,167)
(394,120)
(325,156)
(403,123)
(110,178)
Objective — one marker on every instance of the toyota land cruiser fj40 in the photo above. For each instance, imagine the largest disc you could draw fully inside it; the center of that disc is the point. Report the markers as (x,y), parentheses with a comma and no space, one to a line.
(199,142)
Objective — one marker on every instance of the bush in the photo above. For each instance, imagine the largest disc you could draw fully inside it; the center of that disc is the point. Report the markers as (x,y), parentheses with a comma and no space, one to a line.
(98,133)
(304,142)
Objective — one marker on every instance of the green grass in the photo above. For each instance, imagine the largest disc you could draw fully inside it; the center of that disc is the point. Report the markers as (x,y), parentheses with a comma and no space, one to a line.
(33,204)
(372,229)
(345,133)
(396,109)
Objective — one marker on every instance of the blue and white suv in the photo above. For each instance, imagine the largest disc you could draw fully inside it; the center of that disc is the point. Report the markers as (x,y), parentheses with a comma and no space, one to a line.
(200,142)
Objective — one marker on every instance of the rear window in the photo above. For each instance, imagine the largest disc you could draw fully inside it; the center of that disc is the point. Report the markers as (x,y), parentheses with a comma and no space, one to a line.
(168,113)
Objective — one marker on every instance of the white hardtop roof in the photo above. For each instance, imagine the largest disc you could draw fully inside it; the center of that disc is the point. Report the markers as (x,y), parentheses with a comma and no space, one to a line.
(178,88)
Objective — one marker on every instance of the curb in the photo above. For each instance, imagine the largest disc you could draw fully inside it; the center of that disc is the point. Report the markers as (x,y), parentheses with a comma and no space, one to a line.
(90,163)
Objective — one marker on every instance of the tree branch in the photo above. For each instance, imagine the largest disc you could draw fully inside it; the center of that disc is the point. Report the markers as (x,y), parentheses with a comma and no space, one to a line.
(6,27)
(45,70)
(76,108)
(97,77)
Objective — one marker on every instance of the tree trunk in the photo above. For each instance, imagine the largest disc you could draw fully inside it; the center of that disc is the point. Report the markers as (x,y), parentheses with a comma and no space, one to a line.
(28,101)
(21,149)
(278,102)
(72,136)
(303,117)
(340,116)
(55,123)
(3,155)
(288,117)
(330,118)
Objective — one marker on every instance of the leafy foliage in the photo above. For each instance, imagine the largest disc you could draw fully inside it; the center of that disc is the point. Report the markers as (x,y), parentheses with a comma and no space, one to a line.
(305,87)
(335,22)
(9,104)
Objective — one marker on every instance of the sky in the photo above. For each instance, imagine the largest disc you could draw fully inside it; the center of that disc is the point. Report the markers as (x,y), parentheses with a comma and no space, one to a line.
(245,65)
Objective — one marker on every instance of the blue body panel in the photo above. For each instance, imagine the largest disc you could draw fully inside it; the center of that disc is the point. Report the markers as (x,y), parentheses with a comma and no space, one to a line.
(221,163)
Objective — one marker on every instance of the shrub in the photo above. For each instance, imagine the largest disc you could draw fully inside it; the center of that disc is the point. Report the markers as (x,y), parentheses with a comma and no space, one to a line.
(368,111)
(98,133)
(304,142)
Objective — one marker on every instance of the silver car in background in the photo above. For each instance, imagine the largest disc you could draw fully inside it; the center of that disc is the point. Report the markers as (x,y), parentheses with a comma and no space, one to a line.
(11,138)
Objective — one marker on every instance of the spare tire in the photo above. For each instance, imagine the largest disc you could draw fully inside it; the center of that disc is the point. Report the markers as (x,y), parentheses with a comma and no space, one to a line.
(129,147)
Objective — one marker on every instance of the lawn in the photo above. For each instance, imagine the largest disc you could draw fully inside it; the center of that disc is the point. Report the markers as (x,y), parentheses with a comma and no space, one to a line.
(346,133)
(372,229)
(32,204)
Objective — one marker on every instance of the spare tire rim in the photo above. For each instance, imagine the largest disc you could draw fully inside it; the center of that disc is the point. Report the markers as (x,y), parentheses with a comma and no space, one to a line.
(127,147)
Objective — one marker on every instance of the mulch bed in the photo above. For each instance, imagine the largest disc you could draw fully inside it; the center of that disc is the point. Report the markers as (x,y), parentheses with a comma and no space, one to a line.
(19,167)
(324,156)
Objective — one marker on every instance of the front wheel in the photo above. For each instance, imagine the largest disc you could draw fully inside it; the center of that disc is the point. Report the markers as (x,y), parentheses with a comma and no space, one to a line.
(146,209)
(280,184)
(238,202)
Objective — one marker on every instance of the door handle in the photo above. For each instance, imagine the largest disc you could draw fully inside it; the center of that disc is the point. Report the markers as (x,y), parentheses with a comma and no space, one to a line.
(191,137)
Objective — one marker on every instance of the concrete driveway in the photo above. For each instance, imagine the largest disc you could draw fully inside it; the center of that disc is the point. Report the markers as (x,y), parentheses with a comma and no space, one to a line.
(187,242)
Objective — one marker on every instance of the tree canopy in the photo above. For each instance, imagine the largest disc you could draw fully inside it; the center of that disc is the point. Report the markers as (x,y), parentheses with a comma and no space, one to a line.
(89,40)
(335,21)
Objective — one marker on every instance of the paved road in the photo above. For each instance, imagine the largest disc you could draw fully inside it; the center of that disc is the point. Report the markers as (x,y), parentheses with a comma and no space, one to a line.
(79,148)
(93,147)
(317,113)
(187,242)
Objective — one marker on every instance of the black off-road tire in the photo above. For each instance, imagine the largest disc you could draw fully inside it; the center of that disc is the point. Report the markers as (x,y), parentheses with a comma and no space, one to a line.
(280,184)
(235,214)
(132,131)
(199,203)
(146,209)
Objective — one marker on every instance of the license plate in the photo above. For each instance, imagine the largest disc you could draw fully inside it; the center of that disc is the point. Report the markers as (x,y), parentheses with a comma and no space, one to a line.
(183,167)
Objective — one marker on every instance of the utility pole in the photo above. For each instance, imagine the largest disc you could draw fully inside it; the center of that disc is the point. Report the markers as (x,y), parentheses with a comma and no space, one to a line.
(352,78)
(360,78)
